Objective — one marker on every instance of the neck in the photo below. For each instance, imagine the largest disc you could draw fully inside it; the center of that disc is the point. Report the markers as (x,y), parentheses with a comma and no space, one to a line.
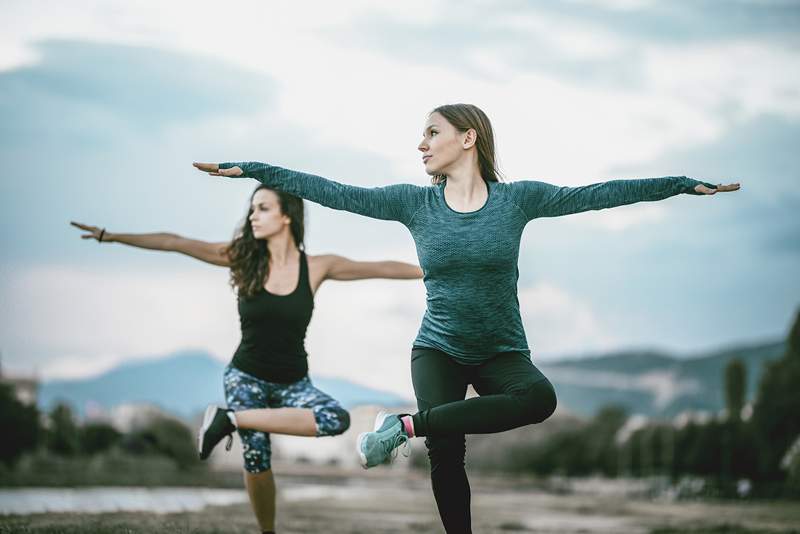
(464,178)
(282,248)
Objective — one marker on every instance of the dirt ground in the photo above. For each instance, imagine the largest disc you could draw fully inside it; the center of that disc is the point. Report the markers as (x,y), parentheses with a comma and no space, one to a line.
(394,504)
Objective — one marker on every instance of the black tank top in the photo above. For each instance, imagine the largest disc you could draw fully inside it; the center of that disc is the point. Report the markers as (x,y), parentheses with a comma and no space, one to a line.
(274,332)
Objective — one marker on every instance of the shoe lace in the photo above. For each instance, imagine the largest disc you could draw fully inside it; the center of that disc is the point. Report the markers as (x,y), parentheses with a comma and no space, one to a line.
(392,446)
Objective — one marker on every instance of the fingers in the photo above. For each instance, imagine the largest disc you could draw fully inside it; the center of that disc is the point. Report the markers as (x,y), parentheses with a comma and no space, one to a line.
(206,167)
(214,170)
(81,226)
(720,188)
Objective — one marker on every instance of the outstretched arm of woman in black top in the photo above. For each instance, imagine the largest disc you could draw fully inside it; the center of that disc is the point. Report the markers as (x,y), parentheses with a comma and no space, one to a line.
(340,268)
(213,253)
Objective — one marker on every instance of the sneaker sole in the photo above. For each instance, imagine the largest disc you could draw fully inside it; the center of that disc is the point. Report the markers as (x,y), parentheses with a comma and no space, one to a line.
(207,419)
(379,419)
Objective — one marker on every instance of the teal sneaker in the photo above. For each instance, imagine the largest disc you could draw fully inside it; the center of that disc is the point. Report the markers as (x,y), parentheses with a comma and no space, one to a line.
(377,446)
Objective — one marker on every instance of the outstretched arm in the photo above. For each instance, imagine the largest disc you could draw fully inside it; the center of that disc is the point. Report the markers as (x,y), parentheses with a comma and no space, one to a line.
(394,202)
(340,268)
(539,199)
(213,253)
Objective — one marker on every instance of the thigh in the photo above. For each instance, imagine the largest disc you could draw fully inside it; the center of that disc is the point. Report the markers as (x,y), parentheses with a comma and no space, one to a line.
(244,391)
(300,394)
(507,372)
(437,378)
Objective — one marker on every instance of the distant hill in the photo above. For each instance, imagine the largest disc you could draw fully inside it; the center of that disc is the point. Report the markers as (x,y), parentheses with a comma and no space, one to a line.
(182,383)
(652,383)
(645,382)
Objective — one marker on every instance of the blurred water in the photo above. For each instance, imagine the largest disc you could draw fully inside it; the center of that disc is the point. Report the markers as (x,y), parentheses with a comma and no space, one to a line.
(157,500)
(115,499)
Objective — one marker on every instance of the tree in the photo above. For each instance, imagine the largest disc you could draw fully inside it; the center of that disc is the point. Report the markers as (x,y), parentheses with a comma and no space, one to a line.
(98,437)
(776,413)
(19,426)
(735,384)
(165,436)
(62,433)
(599,442)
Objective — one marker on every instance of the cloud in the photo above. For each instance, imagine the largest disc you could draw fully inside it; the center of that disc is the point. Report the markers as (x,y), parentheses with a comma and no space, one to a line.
(558,323)
(89,319)
(684,22)
(80,86)
(735,79)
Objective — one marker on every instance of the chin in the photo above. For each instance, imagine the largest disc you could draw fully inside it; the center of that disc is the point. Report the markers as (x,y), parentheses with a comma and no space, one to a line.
(431,172)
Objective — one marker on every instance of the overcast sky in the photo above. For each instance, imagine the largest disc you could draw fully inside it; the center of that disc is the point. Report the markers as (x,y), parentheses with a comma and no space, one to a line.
(104,105)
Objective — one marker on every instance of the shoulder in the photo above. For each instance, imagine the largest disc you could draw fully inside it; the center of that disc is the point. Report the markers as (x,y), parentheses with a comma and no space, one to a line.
(515,185)
(522,188)
(410,190)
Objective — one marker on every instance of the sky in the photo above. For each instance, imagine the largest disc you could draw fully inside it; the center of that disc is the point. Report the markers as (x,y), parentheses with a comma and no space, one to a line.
(105,104)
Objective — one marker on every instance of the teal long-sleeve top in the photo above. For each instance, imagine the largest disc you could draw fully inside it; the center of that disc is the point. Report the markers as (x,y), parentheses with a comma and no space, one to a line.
(469,259)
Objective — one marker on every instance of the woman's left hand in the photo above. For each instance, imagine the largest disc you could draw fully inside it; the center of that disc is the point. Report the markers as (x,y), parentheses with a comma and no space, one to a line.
(703,190)
(214,170)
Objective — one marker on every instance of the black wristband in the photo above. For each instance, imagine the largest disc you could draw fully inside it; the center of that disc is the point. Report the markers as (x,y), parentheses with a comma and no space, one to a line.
(102,233)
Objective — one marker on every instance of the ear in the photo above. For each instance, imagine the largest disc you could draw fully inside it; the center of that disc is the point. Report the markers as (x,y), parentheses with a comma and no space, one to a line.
(287,219)
(470,138)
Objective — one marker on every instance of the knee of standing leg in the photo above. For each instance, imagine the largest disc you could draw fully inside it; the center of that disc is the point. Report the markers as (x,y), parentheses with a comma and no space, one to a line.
(449,450)
(539,401)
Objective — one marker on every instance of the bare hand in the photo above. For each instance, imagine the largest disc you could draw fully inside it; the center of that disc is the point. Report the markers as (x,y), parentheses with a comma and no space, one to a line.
(94,231)
(214,170)
(703,190)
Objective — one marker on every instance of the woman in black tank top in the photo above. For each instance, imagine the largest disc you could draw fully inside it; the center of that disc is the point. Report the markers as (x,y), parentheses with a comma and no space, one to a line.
(266,384)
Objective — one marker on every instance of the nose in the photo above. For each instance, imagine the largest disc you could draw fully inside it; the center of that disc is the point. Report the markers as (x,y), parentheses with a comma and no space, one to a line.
(422,146)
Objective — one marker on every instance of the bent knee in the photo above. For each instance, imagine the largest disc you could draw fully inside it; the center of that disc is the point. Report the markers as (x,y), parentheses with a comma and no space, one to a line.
(538,401)
(333,421)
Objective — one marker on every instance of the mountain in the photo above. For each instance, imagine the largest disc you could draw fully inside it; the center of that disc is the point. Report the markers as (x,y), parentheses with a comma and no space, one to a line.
(182,383)
(644,382)
(652,383)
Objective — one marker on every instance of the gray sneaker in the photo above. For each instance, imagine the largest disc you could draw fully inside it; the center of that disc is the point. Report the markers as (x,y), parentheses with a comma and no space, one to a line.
(375,447)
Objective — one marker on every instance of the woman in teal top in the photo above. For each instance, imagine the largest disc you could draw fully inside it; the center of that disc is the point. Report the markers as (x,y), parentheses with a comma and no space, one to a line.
(467,228)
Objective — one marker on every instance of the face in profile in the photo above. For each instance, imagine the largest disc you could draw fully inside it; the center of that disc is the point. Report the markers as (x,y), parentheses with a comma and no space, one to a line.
(441,146)
(266,218)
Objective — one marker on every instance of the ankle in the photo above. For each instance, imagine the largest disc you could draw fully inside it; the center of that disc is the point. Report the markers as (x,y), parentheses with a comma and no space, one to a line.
(408,425)
(232,416)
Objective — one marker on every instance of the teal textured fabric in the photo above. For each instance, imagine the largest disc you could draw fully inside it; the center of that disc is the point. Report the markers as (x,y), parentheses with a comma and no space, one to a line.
(469,259)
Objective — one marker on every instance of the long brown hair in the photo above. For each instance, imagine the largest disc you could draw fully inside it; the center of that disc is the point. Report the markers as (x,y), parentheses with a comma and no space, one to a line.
(249,257)
(466,116)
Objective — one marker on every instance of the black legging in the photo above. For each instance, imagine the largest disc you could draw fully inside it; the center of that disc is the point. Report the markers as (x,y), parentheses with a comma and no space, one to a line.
(513,393)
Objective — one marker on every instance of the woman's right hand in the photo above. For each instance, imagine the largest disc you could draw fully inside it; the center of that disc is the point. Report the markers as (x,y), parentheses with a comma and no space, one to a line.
(214,170)
(94,232)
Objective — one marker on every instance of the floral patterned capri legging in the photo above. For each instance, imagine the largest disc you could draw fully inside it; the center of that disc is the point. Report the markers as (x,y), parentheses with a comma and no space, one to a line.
(245,392)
